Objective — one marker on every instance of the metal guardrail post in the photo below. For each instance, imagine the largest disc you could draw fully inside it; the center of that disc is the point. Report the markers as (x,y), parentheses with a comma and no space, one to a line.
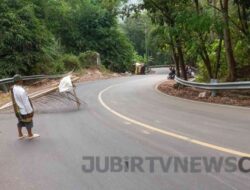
(213,92)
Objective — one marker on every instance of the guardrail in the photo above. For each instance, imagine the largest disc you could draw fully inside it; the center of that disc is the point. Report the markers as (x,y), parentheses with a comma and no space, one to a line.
(158,66)
(7,81)
(33,77)
(215,86)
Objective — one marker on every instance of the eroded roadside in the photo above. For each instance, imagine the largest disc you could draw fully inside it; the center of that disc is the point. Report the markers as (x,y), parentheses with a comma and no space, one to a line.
(229,97)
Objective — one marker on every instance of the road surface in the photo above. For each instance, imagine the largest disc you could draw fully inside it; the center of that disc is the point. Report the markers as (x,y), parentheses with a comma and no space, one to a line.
(124,117)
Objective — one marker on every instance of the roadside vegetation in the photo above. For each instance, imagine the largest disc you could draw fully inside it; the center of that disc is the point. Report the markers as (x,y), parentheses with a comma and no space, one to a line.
(50,36)
(213,36)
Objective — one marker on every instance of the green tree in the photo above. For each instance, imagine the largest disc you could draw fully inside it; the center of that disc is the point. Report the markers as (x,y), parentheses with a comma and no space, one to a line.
(25,42)
(35,34)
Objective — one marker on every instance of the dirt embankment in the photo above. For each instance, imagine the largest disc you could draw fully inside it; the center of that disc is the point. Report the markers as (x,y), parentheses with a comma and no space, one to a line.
(87,75)
(229,97)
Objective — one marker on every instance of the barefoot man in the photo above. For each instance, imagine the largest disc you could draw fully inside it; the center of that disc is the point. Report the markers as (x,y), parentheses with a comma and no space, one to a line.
(23,108)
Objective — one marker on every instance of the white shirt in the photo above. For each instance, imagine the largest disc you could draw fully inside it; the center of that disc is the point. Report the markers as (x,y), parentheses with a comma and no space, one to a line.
(22,100)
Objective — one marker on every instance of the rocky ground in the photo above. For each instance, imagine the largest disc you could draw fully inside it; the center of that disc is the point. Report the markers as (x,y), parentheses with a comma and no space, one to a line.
(229,97)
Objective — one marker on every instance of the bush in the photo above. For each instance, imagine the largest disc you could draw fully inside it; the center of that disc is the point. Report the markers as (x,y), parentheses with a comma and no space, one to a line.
(88,59)
(103,69)
(70,62)
(58,68)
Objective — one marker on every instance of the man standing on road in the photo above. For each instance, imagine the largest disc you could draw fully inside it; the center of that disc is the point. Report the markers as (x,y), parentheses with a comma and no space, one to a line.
(23,108)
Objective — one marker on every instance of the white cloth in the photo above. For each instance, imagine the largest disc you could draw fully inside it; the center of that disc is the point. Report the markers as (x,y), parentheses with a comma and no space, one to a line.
(65,85)
(22,100)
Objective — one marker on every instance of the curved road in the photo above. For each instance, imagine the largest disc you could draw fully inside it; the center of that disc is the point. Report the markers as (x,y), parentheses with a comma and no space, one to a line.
(126,117)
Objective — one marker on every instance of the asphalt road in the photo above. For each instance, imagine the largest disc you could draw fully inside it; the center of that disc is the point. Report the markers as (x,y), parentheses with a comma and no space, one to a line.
(124,117)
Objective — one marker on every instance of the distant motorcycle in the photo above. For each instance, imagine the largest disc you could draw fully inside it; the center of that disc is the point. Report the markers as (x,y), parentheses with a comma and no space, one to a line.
(171,75)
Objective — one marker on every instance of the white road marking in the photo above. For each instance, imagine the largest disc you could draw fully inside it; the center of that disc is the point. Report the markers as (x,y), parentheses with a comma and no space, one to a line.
(168,133)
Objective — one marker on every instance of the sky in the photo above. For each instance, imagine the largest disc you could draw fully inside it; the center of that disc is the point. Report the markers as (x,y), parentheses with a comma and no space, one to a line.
(129,2)
(133,1)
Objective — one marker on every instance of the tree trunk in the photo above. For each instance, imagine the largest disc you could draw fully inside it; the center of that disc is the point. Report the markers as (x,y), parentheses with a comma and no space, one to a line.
(175,58)
(207,63)
(177,66)
(240,17)
(244,18)
(204,53)
(228,42)
(218,57)
(181,60)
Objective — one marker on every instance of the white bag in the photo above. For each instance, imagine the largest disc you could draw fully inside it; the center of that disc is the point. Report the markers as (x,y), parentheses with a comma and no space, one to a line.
(65,85)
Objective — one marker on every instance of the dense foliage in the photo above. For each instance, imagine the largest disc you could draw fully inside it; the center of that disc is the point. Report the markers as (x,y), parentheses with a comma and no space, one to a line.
(212,35)
(38,36)
(146,39)
(48,36)
(25,42)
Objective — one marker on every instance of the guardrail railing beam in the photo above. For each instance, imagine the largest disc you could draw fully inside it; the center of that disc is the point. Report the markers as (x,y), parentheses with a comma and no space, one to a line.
(4,83)
(215,86)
